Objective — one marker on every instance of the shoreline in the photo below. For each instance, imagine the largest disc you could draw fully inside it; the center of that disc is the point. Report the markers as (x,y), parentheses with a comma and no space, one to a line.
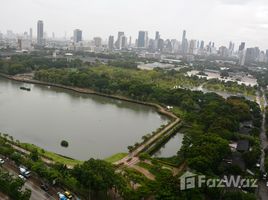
(159,108)
(173,119)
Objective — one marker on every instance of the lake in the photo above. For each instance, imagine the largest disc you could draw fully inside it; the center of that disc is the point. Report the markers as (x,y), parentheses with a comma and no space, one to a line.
(94,126)
(171,148)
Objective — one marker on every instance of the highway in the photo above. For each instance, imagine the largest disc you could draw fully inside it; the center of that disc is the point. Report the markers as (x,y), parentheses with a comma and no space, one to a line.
(32,183)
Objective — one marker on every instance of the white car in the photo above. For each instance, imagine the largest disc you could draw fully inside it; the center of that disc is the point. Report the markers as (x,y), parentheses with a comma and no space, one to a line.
(2,161)
(22,177)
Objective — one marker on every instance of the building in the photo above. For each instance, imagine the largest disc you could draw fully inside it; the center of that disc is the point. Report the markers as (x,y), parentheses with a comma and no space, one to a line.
(142,39)
(223,51)
(118,42)
(192,46)
(243,146)
(31,34)
(241,53)
(184,43)
(252,55)
(77,37)
(242,46)
(111,43)
(97,41)
(156,40)
(40,33)
(123,42)
(202,45)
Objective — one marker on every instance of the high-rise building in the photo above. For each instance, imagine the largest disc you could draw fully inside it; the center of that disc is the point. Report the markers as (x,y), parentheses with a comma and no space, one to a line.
(156,41)
(77,35)
(202,44)
(252,55)
(130,41)
(241,53)
(118,43)
(31,34)
(97,41)
(184,43)
(223,51)
(192,46)
(123,42)
(242,46)
(111,42)
(40,33)
(142,39)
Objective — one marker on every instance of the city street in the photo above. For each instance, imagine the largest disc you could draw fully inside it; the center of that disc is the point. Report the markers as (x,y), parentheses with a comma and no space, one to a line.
(32,183)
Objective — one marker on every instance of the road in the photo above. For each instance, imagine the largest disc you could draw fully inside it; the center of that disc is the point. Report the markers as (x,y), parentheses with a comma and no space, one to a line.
(32,183)
(132,158)
(262,188)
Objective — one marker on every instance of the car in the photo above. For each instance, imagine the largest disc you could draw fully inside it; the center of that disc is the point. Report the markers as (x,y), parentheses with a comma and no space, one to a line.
(264,177)
(267,184)
(44,187)
(22,177)
(68,194)
(2,161)
(62,196)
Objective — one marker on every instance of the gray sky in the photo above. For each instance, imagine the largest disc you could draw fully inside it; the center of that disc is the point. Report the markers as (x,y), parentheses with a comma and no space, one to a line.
(215,20)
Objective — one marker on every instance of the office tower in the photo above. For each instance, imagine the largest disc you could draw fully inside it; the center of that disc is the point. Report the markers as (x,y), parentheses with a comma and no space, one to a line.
(202,45)
(192,46)
(53,35)
(241,53)
(130,41)
(156,42)
(31,34)
(118,42)
(142,39)
(252,55)
(111,42)
(123,42)
(184,43)
(40,33)
(242,46)
(161,45)
(223,51)
(231,48)
(97,41)
(77,35)
(146,39)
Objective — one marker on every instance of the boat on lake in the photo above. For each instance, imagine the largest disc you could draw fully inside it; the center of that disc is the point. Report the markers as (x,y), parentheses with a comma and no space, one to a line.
(25,88)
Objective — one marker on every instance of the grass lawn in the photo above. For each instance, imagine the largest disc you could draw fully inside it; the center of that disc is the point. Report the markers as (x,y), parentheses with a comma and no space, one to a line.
(115,157)
(53,156)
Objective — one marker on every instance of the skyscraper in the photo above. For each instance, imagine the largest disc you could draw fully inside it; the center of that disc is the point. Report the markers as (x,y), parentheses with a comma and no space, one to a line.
(77,35)
(156,41)
(202,44)
(242,46)
(241,53)
(97,41)
(111,42)
(184,43)
(31,34)
(118,42)
(142,39)
(40,33)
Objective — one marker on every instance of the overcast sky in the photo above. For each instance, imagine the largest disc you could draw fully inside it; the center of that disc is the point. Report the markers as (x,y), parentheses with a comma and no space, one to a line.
(209,20)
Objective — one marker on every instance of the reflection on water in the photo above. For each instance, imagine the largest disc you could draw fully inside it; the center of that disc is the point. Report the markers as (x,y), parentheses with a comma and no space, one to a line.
(94,126)
(171,147)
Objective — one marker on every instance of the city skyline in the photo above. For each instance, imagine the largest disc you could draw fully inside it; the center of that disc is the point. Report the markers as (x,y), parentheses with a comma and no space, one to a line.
(245,21)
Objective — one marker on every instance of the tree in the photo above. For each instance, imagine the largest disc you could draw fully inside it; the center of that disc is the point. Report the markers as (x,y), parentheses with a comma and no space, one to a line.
(97,176)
